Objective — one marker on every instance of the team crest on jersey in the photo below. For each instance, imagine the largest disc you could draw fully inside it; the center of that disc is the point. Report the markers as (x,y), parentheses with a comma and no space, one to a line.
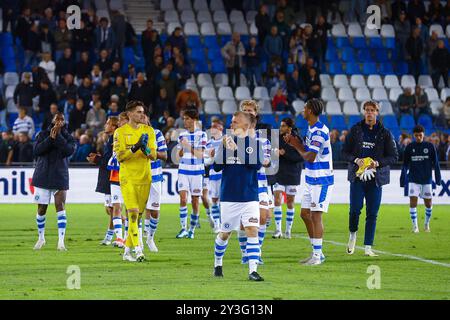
(313,205)
(425,150)
(116,197)
(155,204)
(196,191)
(226,225)
(249,150)
(36,197)
(253,220)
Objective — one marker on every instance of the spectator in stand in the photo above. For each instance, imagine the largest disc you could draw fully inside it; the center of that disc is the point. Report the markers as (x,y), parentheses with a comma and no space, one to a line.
(262,22)
(119,27)
(149,41)
(273,44)
(105,39)
(23,25)
(432,44)
(253,55)
(47,96)
(435,12)
(10,12)
(405,102)
(179,123)
(405,140)
(95,97)
(313,84)
(186,99)
(321,28)
(313,44)
(48,65)
(113,109)
(182,71)
(131,76)
(336,145)
(114,72)
(421,104)
(63,38)
(23,123)
(23,149)
(49,19)
(84,66)
(6,147)
(141,90)
(32,46)
(104,91)
(440,63)
(233,53)
(162,120)
(104,61)
(24,93)
(424,31)
(169,84)
(402,32)
(288,12)
(416,10)
(279,101)
(444,114)
(77,118)
(295,87)
(386,10)
(66,91)
(65,65)
(83,39)
(96,75)
(176,39)
(397,7)
(48,118)
(96,118)
(155,69)
(284,30)
(162,104)
(83,150)
(3,124)
(414,49)
(119,89)
(85,90)
(47,41)
(443,146)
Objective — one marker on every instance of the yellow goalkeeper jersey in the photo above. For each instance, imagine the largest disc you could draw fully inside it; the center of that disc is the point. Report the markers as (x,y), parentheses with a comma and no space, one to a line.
(134,167)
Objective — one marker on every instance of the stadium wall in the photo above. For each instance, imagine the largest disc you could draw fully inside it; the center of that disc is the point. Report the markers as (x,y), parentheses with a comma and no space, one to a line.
(16,187)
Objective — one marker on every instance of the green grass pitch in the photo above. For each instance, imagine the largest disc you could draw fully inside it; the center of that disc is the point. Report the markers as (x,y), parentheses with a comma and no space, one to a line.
(182,269)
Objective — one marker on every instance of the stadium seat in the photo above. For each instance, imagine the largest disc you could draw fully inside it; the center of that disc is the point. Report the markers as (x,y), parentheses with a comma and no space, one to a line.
(325,80)
(204,80)
(348,55)
(369,68)
(197,55)
(331,55)
(229,107)
(364,55)
(253,30)
(10,79)
(371,33)
(220,16)
(350,108)
(265,107)
(354,30)
(201,67)
(432,94)
(407,122)
(250,16)
(9,92)
(445,92)
(207,29)
(353,119)
(187,16)
(184,5)
(387,31)
(223,28)
(191,29)
(218,67)
(379,94)
(380,55)
(352,68)
(225,93)
(261,93)
(171,16)
(401,68)
(359,43)
(386,68)
(338,122)
(204,16)
(335,68)
(375,43)
(298,106)
(193,41)
(390,122)
(171,27)
(438,29)
(333,108)
(216,5)
(340,81)
(391,81)
(208,93)
(242,29)
(328,94)
(435,107)
(242,93)
(236,16)
(386,108)
(200,5)
(374,81)
(362,94)
(324,119)
(390,43)
(345,94)
(342,42)
(221,80)
(270,119)
(214,54)
(394,93)
(338,30)
(357,81)
(300,122)
(408,81)
(212,107)
(426,121)
(425,81)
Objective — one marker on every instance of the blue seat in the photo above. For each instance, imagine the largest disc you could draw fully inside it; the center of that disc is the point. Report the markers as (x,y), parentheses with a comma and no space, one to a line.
(359,43)
(163,37)
(338,122)
(369,68)
(12,117)
(401,68)
(214,54)
(386,68)
(197,54)
(301,123)
(352,68)
(390,122)
(194,42)
(324,119)
(389,43)
(348,54)
(335,68)
(364,55)
(330,42)
(331,55)
(407,122)
(426,121)
(225,39)
(228,118)
(201,67)
(342,42)
(269,119)
(352,120)
(218,67)
(245,39)
(211,42)
(375,43)
(380,55)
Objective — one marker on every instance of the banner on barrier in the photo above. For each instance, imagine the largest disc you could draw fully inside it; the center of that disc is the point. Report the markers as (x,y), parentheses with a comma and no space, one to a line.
(16,187)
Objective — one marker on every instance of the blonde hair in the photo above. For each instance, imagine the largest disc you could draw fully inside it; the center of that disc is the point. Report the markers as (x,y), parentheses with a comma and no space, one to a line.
(250,103)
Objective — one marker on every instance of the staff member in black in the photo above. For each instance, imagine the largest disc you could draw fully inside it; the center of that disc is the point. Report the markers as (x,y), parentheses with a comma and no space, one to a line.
(368,138)
(287,178)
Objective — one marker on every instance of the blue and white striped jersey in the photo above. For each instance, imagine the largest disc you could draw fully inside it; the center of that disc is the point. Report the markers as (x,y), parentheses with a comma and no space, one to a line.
(156,165)
(189,163)
(319,172)
(213,144)
(266,148)
(113,163)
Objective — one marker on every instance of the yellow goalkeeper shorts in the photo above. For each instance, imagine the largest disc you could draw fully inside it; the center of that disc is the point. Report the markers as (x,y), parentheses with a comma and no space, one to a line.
(135,196)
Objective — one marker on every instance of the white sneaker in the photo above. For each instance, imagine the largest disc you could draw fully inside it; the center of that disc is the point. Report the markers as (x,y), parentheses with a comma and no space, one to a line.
(128,257)
(427,228)
(119,243)
(105,242)
(287,235)
(61,246)
(306,259)
(39,244)
(139,255)
(314,261)
(415,229)
(351,245)
(277,235)
(370,253)
(151,245)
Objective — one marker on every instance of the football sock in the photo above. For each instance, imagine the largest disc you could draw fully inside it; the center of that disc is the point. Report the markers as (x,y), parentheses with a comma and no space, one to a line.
(242,237)
(278,216)
(413,214)
(215,211)
(183,217)
(125,236)
(147,225)
(133,234)
(253,253)
(40,221)
(289,219)
(317,247)
(62,222)
(428,213)
(194,220)
(109,234)
(219,250)
(141,243)
(153,226)
(261,234)
(117,222)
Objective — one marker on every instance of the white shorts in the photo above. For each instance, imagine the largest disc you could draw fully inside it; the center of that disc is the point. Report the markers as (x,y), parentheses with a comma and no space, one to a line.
(316,197)
(43,196)
(205,183)
(420,190)
(108,200)
(271,198)
(192,184)
(234,213)
(289,190)
(214,188)
(116,194)
(154,199)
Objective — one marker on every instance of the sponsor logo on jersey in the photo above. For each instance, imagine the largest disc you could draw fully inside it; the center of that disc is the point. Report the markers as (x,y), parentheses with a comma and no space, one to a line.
(425,150)
(253,220)
(155,204)
(313,205)
(196,191)
(249,150)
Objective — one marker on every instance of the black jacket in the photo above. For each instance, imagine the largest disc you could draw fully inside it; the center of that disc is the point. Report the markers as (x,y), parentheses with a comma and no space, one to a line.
(23,94)
(52,160)
(385,149)
(103,184)
(290,168)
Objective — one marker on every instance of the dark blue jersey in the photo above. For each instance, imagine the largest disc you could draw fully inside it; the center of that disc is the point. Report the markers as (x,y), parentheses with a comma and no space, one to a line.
(369,139)
(239,170)
(419,161)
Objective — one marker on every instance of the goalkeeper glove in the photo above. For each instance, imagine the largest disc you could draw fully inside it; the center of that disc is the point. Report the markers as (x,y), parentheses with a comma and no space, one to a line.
(367,175)
(145,150)
(367,162)
(139,144)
